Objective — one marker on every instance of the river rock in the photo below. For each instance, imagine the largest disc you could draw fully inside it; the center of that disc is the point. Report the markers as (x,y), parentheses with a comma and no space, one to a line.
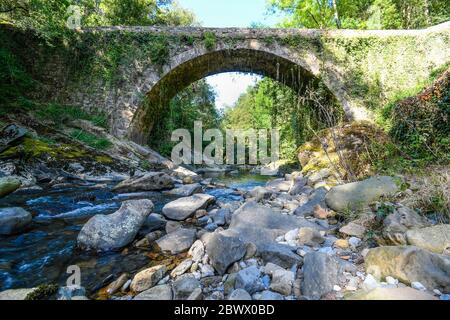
(298,183)
(310,237)
(357,195)
(153,222)
(240,294)
(278,185)
(223,249)
(114,231)
(148,278)
(178,241)
(148,182)
(280,254)
(183,208)
(117,284)
(260,193)
(260,225)
(410,264)
(16,294)
(184,286)
(185,190)
(270,296)
(282,281)
(396,224)
(435,239)
(318,176)
(353,229)
(14,220)
(162,292)
(9,185)
(249,280)
(181,268)
(405,293)
(197,251)
(316,198)
(321,272)
(10,135)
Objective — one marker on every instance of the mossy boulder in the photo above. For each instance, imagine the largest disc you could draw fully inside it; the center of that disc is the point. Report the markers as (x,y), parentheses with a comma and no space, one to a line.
(9,185)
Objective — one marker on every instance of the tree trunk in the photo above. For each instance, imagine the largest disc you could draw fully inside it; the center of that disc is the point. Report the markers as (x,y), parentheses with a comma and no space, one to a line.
(336,14)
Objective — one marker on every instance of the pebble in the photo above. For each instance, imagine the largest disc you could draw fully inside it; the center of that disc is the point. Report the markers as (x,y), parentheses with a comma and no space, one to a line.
(418,286)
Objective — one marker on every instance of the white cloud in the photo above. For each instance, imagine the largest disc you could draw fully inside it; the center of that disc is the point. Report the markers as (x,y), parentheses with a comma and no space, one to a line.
(229,86)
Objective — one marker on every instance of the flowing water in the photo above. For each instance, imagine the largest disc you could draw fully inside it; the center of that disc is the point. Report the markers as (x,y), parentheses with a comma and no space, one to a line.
(42,254)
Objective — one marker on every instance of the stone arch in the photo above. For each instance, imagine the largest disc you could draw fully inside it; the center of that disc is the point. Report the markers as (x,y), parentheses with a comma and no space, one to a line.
(276,62)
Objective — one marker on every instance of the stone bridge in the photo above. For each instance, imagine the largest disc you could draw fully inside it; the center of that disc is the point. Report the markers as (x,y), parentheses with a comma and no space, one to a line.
(131,73)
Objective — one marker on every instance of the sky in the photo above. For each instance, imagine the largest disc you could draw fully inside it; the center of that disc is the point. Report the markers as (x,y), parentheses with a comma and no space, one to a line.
(230,13)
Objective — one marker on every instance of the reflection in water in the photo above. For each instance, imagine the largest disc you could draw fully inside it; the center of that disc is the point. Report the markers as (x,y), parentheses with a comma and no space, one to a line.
(43,254)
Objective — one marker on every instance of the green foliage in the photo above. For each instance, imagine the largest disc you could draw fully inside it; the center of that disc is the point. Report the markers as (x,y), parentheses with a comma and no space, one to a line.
(195,103)
(61,114)
(270,104)
(90,139)
(209,39)
(362,14)
(42,292)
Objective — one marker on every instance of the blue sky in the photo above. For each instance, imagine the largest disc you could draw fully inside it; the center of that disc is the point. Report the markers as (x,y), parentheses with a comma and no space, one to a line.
(230,13)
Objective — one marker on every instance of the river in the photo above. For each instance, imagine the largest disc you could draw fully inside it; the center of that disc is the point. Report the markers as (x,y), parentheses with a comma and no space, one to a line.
(42,254)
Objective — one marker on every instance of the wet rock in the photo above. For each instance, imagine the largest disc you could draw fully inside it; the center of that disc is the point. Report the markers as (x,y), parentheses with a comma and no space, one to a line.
(14,220)
(405,293)
(15,294)
(410,264)
(316,198)
(114,231)
(197,251)
(435,239)
(357,195)
(396,224)
(153,222)
(223,249)
(321,272)
(9,185)
(282,281)
(162,292)
(148,278)
(240,294)
(183,208)
(69,292)
(148,182)
(186,190)
(353,229)
(184,286)
(279,254)
(178,241)
(261,225)
(249,280)
(115,286)
(310,237)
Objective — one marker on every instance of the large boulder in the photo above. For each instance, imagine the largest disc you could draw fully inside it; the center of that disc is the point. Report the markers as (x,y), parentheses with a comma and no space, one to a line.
(410,264)
(148,182)
(185,190)
(9,185)
(183,208)
(435,239)
(13,220)
(223,250)
(357,195)
(260,225)
(379,293)
(398,223)
(321,272)
(114,231)
(178,241)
